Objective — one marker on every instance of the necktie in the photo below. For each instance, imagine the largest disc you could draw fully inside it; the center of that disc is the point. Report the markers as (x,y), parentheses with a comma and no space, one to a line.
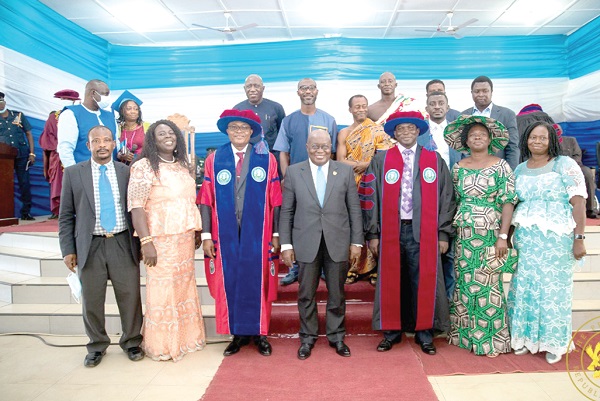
(108,218)
(238,166)
(321,184)
(407,185)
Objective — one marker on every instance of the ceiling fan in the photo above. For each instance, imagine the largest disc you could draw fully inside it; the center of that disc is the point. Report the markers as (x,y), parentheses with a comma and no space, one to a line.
(450,30)
(228,30)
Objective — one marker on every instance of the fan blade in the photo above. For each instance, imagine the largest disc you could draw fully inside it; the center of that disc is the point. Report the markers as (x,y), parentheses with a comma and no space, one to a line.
(229,36)
(252,25)
(456,35)
(426,30)
(208,27)
(469,22)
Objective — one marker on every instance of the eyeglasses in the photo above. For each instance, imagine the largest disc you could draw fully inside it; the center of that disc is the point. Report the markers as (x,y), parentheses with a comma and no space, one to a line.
(307,88)
(324,148)
(238,128)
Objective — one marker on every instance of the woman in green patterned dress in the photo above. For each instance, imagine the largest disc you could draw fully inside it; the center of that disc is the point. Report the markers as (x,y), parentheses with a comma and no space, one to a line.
(485,197)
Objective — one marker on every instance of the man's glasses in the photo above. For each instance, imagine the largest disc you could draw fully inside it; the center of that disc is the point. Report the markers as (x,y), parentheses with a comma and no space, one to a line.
(238,128)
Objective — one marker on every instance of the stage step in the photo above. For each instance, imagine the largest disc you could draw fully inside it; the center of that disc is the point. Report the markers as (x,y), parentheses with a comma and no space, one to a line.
(25,289)
(67,319)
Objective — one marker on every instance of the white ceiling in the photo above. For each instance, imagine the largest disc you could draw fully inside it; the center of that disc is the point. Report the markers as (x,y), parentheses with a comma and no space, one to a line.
(126,22)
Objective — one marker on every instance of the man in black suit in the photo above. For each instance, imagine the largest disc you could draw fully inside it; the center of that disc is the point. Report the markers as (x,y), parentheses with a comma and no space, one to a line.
(320,222)
(481,90)
(96,234)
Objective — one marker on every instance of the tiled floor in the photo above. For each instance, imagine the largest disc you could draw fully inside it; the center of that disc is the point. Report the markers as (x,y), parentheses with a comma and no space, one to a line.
(30,370)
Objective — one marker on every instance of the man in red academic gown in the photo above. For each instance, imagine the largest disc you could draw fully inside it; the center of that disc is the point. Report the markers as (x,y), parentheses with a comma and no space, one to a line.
(239,201)
(53,169)
(410,187)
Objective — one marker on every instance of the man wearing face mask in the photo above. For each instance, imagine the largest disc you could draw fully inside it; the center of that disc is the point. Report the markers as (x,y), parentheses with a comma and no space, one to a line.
(75,122)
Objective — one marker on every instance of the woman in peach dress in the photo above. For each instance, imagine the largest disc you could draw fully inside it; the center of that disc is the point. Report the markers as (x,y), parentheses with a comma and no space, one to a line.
(161,199)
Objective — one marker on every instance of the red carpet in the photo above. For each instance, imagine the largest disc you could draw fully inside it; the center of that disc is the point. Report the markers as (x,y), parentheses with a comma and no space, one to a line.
(47,226)
(452,360)
(366,376)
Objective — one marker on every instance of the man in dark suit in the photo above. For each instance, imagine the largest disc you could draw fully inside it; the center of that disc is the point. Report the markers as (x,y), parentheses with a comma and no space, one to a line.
(437,108)
(96,234)
(239,202)
(437,85)
(481,91)
(320,221)
(570,147)
(410,187)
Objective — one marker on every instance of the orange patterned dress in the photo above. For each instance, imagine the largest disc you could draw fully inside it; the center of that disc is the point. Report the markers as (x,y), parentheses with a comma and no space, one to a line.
(173,324)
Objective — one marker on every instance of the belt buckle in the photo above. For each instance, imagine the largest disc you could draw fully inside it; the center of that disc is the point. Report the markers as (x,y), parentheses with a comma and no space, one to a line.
(109,235)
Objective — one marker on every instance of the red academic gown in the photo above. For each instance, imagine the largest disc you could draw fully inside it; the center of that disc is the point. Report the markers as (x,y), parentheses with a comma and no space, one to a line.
(53,170)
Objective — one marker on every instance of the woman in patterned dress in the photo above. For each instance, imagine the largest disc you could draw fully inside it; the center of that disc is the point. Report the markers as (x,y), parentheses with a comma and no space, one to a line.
(549,225)
(161,197)
(485,200)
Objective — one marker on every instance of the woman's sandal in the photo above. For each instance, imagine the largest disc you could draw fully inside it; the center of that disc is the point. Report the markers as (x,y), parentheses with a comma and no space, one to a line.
(373,279)
(493,355)
(352,278)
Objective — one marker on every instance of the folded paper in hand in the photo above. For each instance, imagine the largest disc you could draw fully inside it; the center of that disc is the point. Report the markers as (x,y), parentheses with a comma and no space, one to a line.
(75,284)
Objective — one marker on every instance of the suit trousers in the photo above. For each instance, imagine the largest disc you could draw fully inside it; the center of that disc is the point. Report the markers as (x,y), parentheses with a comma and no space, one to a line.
(409,260)
(308,279)
(111,259)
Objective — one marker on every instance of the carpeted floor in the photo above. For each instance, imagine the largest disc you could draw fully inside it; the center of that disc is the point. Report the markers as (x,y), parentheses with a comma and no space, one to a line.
(366,376)
(46,226)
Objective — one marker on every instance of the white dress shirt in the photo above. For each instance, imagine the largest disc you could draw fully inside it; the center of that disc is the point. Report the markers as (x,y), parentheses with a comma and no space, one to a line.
(437,132)
(486,112)
(68,134)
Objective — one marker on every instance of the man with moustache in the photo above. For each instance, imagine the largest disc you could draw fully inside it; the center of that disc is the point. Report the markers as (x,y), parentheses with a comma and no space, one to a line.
(75,122)
(437,108)
(481,90)
(389,102)
(95,233)
(410,187)
(357,144)
(320,224)
(293,134)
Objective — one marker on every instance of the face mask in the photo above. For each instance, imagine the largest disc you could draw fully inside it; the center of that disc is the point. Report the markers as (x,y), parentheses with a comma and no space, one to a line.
(4,109)
(104,101)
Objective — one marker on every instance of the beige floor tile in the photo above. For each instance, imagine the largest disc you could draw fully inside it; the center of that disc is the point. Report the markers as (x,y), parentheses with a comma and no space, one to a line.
(556,377)
(565,390)
(179,393)
(91,392)
(436,388)
(200,364)
(23,392)
(494,391)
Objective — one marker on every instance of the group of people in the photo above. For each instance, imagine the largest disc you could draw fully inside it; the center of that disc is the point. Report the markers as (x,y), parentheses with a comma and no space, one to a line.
(422,208)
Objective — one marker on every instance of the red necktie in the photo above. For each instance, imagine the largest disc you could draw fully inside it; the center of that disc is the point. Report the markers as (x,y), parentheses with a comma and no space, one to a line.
(238,166)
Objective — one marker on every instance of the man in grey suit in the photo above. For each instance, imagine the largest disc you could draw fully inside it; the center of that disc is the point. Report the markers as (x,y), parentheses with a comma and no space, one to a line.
(96,234)
(320,222)
(481,91)
(570,147)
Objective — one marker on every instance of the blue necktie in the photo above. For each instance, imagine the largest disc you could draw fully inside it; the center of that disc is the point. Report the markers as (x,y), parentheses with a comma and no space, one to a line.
(321,184)
(108,217)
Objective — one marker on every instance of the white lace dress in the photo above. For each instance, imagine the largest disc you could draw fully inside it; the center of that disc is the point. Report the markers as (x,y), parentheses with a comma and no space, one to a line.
(541,290)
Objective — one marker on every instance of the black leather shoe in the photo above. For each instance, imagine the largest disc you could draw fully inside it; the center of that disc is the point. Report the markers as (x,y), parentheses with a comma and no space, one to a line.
(291,277)
(304,351)
(427,348)
(135,354)
(53,217)
(590,214)
(93,359)
(340,348)
(386,345)
(27,216)
(235,345)
(264,348)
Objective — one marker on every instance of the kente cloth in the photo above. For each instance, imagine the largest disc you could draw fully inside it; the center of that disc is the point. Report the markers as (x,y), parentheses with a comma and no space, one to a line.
(242,278)
(384,182)
(399,103)
(364,141)
(53,170)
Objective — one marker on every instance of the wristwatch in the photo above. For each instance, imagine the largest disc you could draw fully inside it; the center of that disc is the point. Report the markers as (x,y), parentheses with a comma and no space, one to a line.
(579,236)
(503,236)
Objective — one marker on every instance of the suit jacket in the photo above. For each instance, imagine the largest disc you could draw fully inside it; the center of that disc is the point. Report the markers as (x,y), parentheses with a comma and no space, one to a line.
(446,204)
(570,147)
(77,216)
(303,221)
(455,155)
(506,116)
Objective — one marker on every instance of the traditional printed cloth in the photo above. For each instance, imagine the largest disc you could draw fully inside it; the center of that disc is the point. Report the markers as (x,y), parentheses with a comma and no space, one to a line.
(541,290)
(380,194)
(478,320)
(399,103)
(361,145)
(243,276)
(173,324)
(53,170)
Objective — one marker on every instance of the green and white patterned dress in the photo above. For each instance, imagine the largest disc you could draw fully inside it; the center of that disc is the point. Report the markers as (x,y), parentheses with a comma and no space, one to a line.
(541,290)
(478,320)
